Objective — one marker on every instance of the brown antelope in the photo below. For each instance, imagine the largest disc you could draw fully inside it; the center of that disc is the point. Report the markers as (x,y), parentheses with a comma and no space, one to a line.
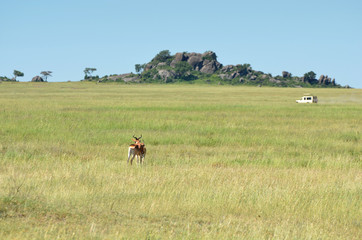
(137,150)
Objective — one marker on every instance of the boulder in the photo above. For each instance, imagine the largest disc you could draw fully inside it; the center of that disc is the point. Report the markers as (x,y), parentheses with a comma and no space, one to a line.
(227,68)
(209,64)
(326,80)
(208,67)
(37,79)
(218,65)
(321,79)
(192,54)
(286,74)
(209,55)
(195,61)
(131,78)
(273,80)
(235,75)
(264,76)
(148,66)
(225,76)
(166,75)
(127,77)
(179,57)
(253,77)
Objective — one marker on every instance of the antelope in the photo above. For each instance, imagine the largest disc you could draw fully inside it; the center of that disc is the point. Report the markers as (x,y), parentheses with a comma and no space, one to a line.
(137,150)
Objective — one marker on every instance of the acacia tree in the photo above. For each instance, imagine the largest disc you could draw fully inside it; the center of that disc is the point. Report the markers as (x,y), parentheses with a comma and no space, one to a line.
(46,74)
(88,72)
(162,56)
(18,74)
(139,67)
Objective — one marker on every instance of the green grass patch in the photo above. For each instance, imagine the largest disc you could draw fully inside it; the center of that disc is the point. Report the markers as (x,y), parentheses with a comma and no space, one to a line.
(223,162)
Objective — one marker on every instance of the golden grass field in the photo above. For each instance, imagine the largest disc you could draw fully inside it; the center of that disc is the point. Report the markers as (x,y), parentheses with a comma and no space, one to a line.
(223,162)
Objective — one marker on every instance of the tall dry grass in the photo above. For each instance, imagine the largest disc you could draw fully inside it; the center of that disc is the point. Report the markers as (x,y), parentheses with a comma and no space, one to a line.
(222,162)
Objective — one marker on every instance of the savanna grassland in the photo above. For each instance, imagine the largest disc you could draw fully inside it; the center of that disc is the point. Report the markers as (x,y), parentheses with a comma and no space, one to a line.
(222,162)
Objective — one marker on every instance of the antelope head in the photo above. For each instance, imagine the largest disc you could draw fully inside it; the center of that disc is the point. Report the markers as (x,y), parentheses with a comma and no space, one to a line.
(137,140)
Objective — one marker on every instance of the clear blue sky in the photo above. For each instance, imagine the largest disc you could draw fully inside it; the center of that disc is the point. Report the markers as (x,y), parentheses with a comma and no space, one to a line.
(324,36)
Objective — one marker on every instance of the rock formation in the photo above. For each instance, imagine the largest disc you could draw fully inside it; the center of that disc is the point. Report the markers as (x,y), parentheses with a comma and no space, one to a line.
(204,67)
(37,79)
(326,80)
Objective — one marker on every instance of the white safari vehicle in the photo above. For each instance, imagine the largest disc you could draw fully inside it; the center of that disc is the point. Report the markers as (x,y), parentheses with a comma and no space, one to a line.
(308,99)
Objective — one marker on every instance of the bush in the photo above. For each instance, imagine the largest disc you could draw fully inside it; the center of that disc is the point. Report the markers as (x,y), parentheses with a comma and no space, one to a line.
(310,77)
(182,68)
(162,56)
(243,69)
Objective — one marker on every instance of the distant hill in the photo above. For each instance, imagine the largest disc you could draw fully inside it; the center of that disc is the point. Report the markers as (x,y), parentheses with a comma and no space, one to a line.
(204,68)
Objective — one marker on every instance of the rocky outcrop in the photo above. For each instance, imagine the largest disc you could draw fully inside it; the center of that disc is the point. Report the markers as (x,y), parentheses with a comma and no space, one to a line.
(195,61)
(37,79)
(227,68)
(321,78)
(205,63)
(185,66)
(131,78)
(326,80)
(179,57)
(209,55)
(210,66)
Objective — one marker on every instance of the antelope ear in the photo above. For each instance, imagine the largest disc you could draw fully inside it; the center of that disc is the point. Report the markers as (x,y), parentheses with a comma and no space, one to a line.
(134,140)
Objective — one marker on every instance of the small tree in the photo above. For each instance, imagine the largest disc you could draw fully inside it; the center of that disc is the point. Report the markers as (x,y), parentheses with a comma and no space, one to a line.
(88,72)
(18,74)
(46,74)
(139,67)
(162,56)
(309,76)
